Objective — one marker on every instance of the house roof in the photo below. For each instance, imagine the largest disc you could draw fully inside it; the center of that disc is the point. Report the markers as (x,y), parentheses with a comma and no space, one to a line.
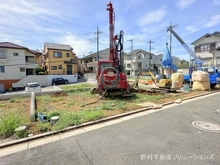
(216,33)
(101,53)
(104,51)
(15,46)
(136,51)
(57,46)
(10,45)
(34,52)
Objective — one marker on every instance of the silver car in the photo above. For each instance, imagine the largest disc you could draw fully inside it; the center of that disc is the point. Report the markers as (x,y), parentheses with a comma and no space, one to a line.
(33,87)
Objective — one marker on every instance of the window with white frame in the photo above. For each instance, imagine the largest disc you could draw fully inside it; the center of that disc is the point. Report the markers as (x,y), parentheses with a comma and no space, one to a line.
(57,54)
(2,69)
(204,47)
(15,54)
(53,67)
(2,54)
(128,65)
(67,54)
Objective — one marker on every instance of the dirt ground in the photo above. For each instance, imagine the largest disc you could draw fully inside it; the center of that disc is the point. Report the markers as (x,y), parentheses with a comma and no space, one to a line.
(63,101)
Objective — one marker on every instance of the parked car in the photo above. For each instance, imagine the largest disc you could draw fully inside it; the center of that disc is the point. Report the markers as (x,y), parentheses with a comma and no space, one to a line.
(59,80)
(32,87)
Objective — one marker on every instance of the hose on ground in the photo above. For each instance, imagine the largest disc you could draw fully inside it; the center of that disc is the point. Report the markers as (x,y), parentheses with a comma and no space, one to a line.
(94,101)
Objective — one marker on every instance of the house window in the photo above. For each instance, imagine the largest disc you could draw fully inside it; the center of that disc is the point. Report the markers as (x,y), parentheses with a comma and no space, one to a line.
(53,67)
(2,69)
(15,54)
(67,54)
(128,65)
(29,59)
(204,48)
(22,69)
(59,66)
(57,54)
(2,55)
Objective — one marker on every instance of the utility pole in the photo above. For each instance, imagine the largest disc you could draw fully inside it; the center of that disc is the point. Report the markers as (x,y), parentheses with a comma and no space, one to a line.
(150,42)
(171,27)
(97,41)
(131,40)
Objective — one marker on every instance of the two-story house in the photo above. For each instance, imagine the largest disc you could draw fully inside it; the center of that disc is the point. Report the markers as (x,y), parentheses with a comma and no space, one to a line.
(59,59)
(89,62)
(139,59)
(206,48)
(16,62)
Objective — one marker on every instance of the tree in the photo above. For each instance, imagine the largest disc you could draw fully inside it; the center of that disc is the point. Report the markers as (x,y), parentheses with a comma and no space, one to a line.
(39,71)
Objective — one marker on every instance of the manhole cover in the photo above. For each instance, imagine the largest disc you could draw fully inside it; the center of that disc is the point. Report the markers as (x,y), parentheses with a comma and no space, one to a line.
(206,126)
(218,110)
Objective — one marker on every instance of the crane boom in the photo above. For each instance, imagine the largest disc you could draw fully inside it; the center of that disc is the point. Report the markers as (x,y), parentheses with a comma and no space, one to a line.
(197,59)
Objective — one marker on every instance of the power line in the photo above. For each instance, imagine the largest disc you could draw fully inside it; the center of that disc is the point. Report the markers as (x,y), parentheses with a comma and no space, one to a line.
(131,40)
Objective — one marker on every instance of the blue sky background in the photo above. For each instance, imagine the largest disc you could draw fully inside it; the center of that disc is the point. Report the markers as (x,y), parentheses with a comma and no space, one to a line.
(30,23)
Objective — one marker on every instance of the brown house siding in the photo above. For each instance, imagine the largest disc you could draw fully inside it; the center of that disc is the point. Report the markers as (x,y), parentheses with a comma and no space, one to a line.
(8,83)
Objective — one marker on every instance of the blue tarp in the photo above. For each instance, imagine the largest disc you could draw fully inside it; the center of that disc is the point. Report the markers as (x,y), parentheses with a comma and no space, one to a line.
(167,61)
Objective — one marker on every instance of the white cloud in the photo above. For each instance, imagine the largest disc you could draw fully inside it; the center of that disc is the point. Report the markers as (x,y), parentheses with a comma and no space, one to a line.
(152,17)
(213,21)
(191,29)
(182,4)
(80,46)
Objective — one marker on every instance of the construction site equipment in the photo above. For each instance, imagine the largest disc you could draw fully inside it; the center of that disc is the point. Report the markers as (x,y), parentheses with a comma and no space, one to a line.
(163,84)
(214,74)
(110,77)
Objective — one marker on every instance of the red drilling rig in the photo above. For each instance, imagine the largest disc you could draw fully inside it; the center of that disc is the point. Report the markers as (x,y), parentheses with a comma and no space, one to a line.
(110,77)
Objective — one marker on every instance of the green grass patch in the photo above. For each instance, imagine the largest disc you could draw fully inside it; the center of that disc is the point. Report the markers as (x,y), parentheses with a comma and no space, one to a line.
(71,119)
(44,127)
(15,100)
(9,123)
(138,98)
(2,105)
(77,86)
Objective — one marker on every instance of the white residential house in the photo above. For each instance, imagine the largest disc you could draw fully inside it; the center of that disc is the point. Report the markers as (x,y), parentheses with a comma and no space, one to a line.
(139,59)
(16,62)
(207,48)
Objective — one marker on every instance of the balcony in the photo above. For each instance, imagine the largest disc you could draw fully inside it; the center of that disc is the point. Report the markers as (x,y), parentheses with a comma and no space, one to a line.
(3,60)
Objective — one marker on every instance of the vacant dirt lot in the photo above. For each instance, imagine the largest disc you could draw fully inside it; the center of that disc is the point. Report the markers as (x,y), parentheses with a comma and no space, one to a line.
(72,101)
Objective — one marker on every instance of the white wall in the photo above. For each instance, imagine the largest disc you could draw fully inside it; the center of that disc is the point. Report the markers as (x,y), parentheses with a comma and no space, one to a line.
(44,80)
(13,64)
(209,40)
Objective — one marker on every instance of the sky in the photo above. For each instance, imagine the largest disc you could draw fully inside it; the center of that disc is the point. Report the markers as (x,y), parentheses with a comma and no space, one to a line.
(31,23)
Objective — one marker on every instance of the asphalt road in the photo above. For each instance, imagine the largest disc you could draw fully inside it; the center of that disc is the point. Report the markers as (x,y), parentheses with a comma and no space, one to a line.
(163,137)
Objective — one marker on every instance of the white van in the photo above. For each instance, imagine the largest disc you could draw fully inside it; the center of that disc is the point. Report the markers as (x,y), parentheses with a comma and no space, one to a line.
(33,87)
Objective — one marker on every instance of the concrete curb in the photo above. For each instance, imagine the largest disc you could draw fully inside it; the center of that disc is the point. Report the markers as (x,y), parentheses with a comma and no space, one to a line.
(93,122)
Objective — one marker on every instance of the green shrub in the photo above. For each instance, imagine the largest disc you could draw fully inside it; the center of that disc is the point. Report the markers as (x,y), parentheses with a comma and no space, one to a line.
(44,127)
(41,73)
(107,106)
(38,70)
(9,123)
(71,119)
(52,113)
(15,99)
(122,105)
